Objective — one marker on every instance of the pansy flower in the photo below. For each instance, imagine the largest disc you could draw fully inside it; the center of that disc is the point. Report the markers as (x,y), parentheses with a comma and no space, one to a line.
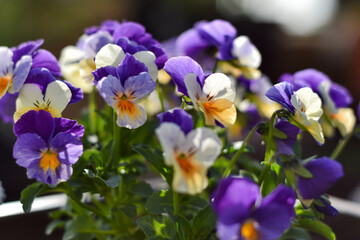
(47,147)
(213,94)
(221,36)
(123,87)
(303,104)
(286,145)
(189,151)
(43,92)
(335,98)
(243,214)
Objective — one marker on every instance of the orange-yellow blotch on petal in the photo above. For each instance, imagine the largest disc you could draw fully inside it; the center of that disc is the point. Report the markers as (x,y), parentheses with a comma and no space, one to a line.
(49,160)
(53,111)
(249,230)
(221,110)
(5,82)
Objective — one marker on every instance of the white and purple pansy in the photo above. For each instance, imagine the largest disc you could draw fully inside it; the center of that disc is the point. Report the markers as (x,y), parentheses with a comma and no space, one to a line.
(243,214)
(189,151)
(123,87)
(47,147)
(43,92)
(304,104)
(213,94)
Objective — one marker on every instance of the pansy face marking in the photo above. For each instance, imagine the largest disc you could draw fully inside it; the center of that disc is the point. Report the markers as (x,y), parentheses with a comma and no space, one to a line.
(56,98)
(48,160)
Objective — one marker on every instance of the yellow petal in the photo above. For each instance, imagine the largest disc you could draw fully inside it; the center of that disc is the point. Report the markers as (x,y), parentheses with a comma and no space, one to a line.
(221,110)
(344,120)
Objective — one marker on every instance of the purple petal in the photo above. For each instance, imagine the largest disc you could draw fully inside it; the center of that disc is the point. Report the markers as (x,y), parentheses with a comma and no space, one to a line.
(226,232)
(129,47)
(68,147)
(64,172)
(311,77)
(217,31)
(283,196)
(76,93)
(45,59)
(178,116)
(104,72)
(8,107)
(130,30)
(68,126)
(140,86)
(108,88)
(325,173)
(179,67)
(273,220)
(21,72)
(225,49)
(191,44)
(27,148)
(40,122)
(26,48)
(41,77)
(281,93)
(299,83)
(340,95)
(286,145)
(95,42)
(130,67)
(234,198)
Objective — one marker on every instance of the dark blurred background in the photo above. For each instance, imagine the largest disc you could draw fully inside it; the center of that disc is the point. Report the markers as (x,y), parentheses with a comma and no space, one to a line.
(291,35)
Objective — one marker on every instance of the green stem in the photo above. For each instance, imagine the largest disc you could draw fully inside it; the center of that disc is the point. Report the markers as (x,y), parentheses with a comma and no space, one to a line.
(341,145)
(69,191)
(158,90)
(240,151)
(92,108)
(268,152)
(97,231)
(116,143)
(176,202)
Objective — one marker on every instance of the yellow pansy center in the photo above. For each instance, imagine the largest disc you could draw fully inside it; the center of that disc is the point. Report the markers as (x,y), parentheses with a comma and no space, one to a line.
(5,82)
(249,230)
(187,166)
(50,160)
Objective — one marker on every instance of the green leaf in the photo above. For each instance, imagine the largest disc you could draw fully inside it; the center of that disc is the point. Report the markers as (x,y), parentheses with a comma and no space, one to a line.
(54,225)
(184,227)
(269,183)
(156,226)
(302,171)
(142,189)
(129,210)
(112,181)
(193,203)
(159,201)
(80,228)
(28,195)
(106,153)
(204,223)
(296,233)
(317,226)
(156,160)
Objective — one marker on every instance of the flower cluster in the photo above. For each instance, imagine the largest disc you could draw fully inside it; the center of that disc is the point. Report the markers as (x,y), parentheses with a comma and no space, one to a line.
(215,95)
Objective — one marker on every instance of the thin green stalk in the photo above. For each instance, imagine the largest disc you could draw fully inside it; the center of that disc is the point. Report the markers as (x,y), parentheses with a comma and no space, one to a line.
(92,108)
(341,145)
(161,99)
(69,191)
(176,202)
(240,151)
(268,152)
(116,143)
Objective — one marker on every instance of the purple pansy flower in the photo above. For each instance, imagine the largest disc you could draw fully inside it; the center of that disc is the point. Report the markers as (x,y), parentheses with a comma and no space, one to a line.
(286,145)
(47,146)
(123,87)
(243,214)
(213,94)
(325,172)
(178,116)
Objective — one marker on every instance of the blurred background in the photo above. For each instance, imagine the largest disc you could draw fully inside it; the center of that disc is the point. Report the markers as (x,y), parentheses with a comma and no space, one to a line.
(291,36)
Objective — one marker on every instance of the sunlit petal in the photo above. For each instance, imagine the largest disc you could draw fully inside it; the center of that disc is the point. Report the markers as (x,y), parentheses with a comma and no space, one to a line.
(246,52)
(221,110)
(148,58)
(219,86)
(109,55)
(58,94)
(193,89)
(130,115)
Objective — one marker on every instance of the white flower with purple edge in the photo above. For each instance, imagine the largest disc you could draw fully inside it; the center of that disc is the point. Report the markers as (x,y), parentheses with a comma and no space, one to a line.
(123,87)
(189,151)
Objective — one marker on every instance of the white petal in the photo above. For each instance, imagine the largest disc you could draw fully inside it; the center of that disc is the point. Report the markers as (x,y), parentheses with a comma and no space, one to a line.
(218,85)
(59,94)
(246,52)
(324,89)
(109,55)
(170,137)
(148,58)
(207,145)
(193,183)
(29,94)
(306,99)
(316,131)
(344,120)
(193,88)
(6,63)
